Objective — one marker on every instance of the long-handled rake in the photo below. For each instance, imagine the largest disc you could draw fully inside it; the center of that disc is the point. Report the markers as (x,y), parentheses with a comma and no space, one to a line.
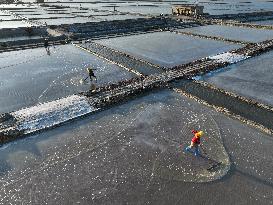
(85,79)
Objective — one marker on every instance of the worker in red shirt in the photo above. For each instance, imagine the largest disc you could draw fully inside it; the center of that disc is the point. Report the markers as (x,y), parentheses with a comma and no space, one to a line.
(195,142)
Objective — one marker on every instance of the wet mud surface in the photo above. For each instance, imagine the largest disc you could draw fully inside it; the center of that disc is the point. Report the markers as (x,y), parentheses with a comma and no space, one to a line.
(132,154)
(34,77)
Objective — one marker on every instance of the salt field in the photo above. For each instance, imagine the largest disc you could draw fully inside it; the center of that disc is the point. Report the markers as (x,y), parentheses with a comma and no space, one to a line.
(232,32)
(14,24)
(60,21)
(251,78)
(38,77)
(6,17)
(212,7)
(266,22)
(150,9)
(19,38)
(167,49)
(118,17)
(58,16)
(157,79)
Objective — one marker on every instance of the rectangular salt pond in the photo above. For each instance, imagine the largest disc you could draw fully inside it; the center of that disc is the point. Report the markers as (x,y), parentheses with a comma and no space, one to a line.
(267,22)
(60,21)
(214,7)
(117,17)
(251,78)
(31,76)
(6,17)
(19,38)
(33,15)
(232,32)
(146,9)
(48,16)
(14,24)
(217,7)
(167,49)
(18,6)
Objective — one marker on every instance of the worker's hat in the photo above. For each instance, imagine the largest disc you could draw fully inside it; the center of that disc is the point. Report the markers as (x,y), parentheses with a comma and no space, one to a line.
(200,133)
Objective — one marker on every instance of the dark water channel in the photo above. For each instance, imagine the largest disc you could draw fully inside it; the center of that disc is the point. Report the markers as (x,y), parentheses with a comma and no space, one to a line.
(233,104)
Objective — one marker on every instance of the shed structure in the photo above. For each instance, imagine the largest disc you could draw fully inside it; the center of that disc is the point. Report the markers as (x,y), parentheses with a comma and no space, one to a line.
(187,10)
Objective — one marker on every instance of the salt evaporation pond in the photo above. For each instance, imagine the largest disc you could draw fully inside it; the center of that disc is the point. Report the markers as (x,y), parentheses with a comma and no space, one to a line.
(251,78)
(150,9)
(267,22)
(214,7)
(167,49)
(18,6)
(217,7)
(29,77)
(14,24)
(133,151)
(232,32)
(60,21)
(117,17)
(53,15)
(19,38)
(6,17)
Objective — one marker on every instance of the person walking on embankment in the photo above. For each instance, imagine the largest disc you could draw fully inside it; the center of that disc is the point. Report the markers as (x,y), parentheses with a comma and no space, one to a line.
(195,142)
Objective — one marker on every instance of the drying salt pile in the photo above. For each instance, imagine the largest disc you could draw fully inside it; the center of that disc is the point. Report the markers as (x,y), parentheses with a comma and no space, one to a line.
(52,113)
(228,57)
